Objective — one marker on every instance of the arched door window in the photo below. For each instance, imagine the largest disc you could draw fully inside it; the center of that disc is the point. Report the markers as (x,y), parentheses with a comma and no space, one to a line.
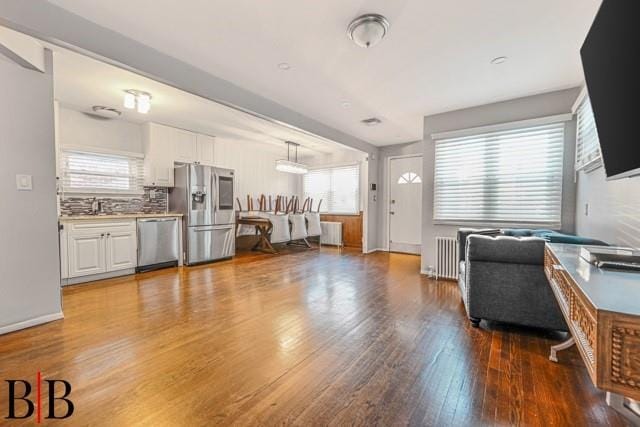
(409,178)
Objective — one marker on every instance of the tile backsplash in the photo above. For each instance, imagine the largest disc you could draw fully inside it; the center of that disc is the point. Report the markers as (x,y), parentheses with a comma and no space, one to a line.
(154,200)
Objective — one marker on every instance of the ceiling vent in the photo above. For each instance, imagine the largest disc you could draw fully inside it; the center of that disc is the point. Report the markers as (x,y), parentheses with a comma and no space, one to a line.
(105,112)
(373,121)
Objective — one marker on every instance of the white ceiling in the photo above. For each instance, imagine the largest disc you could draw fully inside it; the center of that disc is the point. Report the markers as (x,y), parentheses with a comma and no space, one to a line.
(81,82)
(435,58)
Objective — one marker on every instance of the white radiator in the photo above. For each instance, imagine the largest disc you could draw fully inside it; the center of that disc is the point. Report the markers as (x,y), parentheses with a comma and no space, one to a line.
(446,258)
(331,233)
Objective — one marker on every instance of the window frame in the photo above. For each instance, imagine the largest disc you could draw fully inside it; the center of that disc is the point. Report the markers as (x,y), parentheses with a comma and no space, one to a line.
(358,196)
(136,178)
(595,162)
(511,126)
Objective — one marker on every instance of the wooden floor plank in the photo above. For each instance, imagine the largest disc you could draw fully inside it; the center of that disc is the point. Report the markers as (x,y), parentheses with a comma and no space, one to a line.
(308,337)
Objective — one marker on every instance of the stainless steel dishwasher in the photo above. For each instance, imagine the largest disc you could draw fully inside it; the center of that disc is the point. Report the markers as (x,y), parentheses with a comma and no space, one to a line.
(158,244)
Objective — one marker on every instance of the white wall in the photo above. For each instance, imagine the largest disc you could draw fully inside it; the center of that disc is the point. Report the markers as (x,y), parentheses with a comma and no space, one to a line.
(79,129)
(614,208)
(29,255)
(254,165)
(543,105)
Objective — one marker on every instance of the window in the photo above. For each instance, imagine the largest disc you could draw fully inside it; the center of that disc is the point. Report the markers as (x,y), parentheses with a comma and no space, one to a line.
(511,176)
(587,143)
(84,172)
(338,187)
(409,178)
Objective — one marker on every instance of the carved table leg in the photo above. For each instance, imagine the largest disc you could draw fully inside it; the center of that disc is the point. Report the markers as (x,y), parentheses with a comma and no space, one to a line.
(562,346)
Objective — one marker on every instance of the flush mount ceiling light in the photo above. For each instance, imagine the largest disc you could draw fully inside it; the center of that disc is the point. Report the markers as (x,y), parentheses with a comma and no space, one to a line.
(284,66)
(499,60)
(346,104)
(368,30)
(106,112)
(289,166)
(137,99)
(373,121)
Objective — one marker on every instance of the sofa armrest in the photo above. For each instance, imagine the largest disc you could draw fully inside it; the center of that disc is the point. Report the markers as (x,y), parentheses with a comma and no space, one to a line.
(526,250)
(463,233)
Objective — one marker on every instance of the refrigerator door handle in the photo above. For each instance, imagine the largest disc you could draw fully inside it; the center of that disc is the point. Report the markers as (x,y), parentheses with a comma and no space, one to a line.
(216,189)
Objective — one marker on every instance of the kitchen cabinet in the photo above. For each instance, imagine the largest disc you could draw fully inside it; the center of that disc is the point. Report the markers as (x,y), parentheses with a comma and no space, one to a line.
(205,144)
(157,143)
(121,250)
(185,146)
(165,145)
(97,247)
(86,254)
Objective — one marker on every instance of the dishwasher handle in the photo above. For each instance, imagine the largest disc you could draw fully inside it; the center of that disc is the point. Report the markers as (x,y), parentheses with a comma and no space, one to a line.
(158,220)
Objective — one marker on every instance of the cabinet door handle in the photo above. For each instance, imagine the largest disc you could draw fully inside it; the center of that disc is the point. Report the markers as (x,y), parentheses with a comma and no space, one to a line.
(102,235)
(108,234)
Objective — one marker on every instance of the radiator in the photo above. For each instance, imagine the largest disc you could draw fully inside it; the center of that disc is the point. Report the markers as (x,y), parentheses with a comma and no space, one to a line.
(446,258)
(331,233)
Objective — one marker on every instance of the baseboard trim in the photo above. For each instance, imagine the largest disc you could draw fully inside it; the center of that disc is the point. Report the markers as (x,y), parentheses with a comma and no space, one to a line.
(376,250)
(31,322)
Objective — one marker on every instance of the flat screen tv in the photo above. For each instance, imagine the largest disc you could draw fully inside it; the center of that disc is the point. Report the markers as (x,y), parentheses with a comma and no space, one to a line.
(611,62)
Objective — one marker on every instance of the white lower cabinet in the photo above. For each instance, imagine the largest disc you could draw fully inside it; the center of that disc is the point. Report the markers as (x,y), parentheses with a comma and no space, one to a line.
(97,248)
(121,250)
(86,254)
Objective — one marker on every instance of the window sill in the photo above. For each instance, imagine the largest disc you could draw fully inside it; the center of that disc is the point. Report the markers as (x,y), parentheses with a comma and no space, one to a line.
(476,224)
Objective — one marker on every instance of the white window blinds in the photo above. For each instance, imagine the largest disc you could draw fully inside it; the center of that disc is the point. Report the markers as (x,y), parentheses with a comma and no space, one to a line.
(84,172)
(587,143)
(503,177)
(337,187)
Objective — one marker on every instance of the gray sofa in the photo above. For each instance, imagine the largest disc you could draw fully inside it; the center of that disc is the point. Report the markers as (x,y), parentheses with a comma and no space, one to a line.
(502,279)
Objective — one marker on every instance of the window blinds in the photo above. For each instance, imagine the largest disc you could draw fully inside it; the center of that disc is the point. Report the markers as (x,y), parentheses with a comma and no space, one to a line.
(587,142)
(508,176)
(84,172)
(338,187)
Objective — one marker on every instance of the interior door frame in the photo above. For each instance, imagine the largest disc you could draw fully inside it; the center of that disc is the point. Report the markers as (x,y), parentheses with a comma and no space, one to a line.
(388,192)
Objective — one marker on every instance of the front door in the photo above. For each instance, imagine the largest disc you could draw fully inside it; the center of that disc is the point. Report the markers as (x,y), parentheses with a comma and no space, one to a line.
(405,204)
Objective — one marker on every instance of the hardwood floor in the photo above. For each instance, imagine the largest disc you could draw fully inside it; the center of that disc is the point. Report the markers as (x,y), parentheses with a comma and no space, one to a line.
(304,338)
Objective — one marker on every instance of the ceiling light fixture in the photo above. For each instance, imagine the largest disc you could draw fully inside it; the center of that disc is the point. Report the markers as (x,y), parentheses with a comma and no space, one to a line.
(106,112)
(137,99)
(373,121)
(289,166)
(368,30)
(284,66)
(346,104)
(499,60)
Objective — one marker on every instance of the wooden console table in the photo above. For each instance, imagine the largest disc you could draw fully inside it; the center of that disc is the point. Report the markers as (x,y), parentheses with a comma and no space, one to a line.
(602,310)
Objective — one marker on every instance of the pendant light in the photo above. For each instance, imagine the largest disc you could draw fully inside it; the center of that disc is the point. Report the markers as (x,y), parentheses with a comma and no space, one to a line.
(289,166)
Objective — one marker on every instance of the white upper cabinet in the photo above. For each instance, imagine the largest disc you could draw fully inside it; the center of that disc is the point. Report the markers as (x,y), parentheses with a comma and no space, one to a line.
(185,146)
(205,149)
(158,155)
(165,145)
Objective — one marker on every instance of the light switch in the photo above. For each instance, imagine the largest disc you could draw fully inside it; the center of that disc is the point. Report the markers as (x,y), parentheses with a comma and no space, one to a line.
(24,182)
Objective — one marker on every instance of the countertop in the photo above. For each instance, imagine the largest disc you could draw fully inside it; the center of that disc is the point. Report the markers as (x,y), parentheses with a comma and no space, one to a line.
(610,290)
(116,216)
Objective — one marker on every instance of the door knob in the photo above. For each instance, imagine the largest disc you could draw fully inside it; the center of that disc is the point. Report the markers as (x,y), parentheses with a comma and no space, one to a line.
(391,213)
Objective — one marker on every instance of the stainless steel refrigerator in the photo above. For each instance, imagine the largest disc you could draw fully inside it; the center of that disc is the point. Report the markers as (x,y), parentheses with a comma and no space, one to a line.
(204,195)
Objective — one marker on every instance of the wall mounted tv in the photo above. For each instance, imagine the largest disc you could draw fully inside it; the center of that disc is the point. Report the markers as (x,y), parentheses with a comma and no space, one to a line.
(611,62)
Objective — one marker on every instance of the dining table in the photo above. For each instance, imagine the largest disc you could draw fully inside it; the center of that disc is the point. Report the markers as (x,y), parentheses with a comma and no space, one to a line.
(263,228)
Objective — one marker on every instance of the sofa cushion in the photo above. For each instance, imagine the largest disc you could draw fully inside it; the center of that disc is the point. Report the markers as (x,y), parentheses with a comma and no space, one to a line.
(506,249)
(517,232)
